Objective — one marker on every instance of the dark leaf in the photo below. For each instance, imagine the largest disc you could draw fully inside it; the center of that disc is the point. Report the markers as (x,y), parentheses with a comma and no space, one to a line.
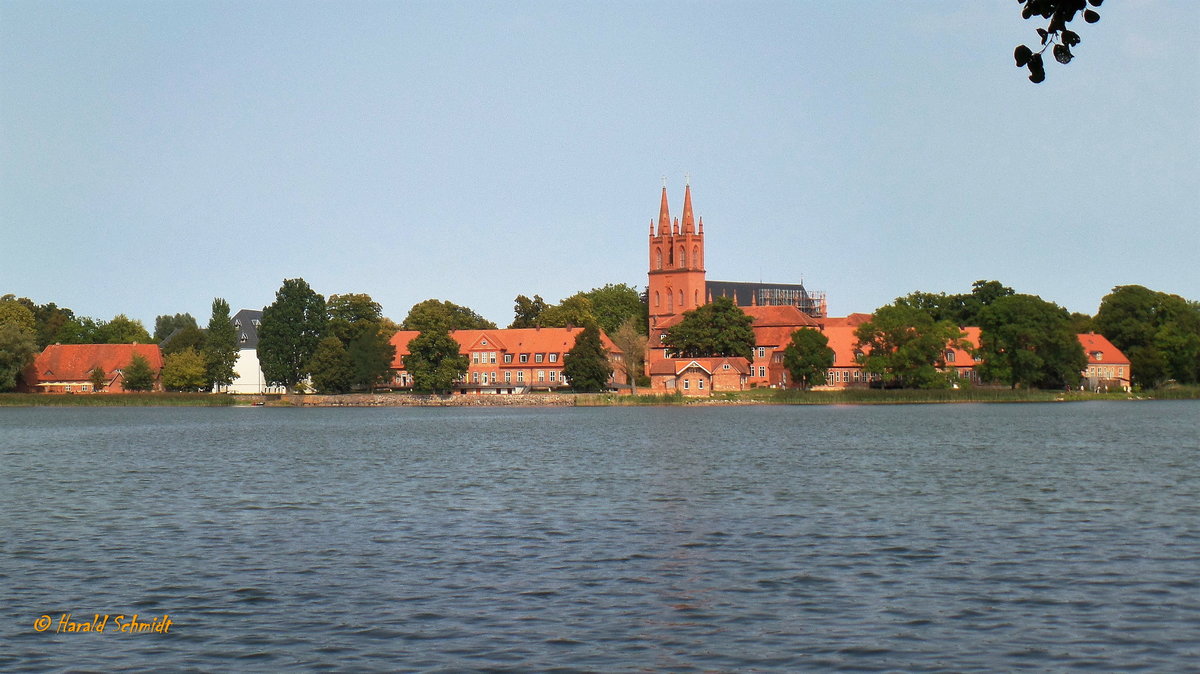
(1095,3)
(1043,34)
(1070,38)
(1062,54)
(1037,76)
(1090,16)
(1022,54)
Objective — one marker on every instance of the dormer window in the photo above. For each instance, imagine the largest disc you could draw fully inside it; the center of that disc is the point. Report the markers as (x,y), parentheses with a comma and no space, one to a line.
(1097,355)
(949,356)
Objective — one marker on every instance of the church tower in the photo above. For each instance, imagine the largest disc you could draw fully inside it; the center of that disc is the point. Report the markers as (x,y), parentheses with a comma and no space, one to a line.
(677,281)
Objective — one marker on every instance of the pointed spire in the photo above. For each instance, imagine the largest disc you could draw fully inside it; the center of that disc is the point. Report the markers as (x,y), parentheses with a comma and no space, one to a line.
(689,224)
(675,227)
(664,215)
(701,224)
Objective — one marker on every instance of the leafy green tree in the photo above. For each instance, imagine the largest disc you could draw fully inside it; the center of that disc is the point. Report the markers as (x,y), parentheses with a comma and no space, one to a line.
(371,354)
(124,330)
(288,334)
(527,311)
(166,324)
(719,328)
(434,360)
(331,367)
(50,319)
(906,346)
(962,309)
(79,330)
(138,376)
(614,304)
(444,315)
(1157,331)
(586,366)
(16,313)
(808,357)
(632,344)
(1055,36)
(574,311)
(184,371)
(351,314)
(220,346)
(98,377)
(187,337)
(1027,341)
(18,348)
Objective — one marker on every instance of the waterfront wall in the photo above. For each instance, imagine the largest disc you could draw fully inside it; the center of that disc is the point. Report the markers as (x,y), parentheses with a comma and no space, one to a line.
(414,400)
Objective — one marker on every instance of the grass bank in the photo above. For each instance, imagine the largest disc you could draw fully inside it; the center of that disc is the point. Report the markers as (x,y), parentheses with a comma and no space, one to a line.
(121,400)
(881,397)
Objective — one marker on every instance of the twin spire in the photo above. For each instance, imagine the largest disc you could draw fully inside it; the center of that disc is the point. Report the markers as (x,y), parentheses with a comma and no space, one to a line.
(666,227)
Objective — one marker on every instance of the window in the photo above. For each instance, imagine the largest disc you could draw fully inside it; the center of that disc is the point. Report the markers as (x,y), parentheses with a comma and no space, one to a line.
(520,376)
(237,324)
(541,375)
(700,384)
(554,358)
(491,356)
(483,342)
(508,377)
(553,375)
(537,358)
(255,322)
(725,366)
(1097,355)
(475,377)
(687,383)
(524,358)
(762,371)
(474,358)
(949,356)
(508,357)
(762,352)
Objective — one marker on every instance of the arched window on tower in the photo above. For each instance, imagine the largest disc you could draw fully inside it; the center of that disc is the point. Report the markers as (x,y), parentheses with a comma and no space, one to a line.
(657,299)
(696,257)
(670,257)
(658,257)
(682,256)
(670,300)
(697,298)
(680,299)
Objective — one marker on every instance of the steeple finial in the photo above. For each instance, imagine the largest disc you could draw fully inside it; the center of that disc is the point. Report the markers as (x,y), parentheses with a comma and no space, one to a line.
(689,224)
(664,214)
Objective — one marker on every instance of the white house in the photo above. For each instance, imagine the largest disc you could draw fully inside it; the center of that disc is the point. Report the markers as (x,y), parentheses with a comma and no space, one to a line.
(248,375)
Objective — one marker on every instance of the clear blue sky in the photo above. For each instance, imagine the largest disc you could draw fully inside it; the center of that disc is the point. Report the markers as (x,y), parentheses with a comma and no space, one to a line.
(154,155)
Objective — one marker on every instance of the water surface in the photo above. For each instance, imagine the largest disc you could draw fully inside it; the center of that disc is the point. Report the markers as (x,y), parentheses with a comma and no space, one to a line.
(869,538)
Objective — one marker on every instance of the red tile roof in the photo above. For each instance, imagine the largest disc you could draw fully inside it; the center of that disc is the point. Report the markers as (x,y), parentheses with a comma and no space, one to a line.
(75,362)
(1094,345)
(774,316)
(513,340)
(853,320)
(676,365)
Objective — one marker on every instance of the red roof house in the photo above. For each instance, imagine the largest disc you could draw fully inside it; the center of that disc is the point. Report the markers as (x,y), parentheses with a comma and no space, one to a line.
(67,368)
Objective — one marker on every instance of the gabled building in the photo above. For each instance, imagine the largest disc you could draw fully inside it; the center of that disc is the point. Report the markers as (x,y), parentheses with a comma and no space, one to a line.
(67,368)
(699,376)
(1107,368)
(516,360)
(247,373)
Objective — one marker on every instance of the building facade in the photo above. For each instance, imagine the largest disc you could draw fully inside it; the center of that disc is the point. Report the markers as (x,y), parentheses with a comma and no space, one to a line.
(68,368)
(504,361)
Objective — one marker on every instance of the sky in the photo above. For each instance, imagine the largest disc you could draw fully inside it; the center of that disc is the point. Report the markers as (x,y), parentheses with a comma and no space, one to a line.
(155,155)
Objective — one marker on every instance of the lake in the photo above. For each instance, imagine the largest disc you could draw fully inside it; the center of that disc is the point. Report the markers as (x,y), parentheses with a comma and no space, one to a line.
(868,538)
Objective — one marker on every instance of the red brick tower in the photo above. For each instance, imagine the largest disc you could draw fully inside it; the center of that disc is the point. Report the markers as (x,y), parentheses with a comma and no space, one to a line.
(676,261)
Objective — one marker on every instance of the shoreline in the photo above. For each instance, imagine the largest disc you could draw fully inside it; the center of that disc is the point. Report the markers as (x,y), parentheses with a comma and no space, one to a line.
(548,400)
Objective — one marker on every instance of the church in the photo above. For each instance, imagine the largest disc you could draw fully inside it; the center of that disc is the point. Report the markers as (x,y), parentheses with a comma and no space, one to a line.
(678,283)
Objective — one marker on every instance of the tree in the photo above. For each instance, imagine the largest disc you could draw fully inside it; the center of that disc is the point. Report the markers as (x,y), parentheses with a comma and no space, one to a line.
(187,337)
(434,360)
(719,328)
(183,371)
(1055,34)
(905,346)
(220,346)
(166,324)
(633,349)
(17,313)
(137,376)
(586,365)
(526,311)
(961,309)
(18,348)
(331,367)
(288,334)
(352,314)
(1027,341)
(98,377)
(573,311)
(1157,331)
(123,330)
(371,354)
(444,315)
(808,357)
(614,304)
(79,330)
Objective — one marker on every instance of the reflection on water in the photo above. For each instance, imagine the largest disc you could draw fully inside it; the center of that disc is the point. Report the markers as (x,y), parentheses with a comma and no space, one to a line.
(919,538)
